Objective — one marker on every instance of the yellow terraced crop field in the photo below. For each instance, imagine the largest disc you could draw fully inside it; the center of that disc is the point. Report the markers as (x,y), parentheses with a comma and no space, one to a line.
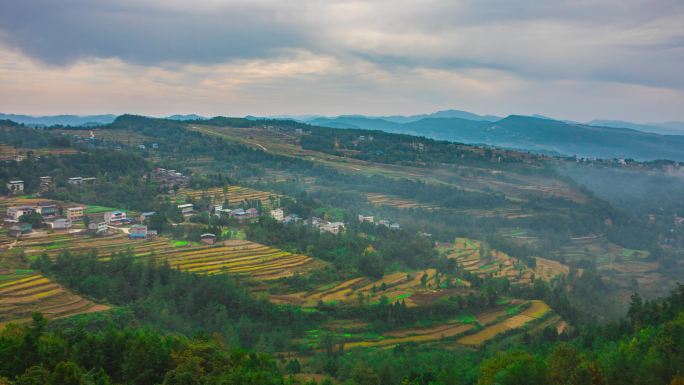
(23,294)
(536,310)
(234,195)
(244,258)
(401,203)
(494,264)
(449,329)
(398,286)
(548,269)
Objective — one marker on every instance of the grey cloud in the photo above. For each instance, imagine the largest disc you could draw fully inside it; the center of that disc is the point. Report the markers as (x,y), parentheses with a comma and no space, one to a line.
(622,41)
(60,32)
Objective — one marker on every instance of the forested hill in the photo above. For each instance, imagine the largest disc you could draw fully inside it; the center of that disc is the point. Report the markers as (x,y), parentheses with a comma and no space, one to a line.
(514,132)
(530,133)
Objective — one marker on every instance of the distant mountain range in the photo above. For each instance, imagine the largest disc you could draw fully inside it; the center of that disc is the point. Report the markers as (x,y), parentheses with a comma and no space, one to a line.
(532,133)
(666,128)
(64,120)
(598,138)
(77,120)
(186,117)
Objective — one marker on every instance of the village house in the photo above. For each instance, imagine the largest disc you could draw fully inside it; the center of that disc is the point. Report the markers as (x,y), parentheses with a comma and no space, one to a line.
(137,232)
(314,222)
(76,180)
(145,216)
(75,213)
(332,227)
(395,226)
(252,212)
(47,210)
(18,230)
(15,186)
(369,219)
(98,227)
(45,180)
(208,238)
(186,208)
(61,224)
(17,212)
(151,234)
(238,214)
(224,212)
(292,218)
(277,214)
(114,216)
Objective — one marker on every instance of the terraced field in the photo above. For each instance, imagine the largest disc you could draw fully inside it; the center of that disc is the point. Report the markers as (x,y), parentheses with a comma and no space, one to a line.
(25,292)
(535,311)
(547,269)
(243,258)
(53,244)
(494,264)
(7,152)
(235,257)
(234,194)
(401,203)
(464,328)
(399,286)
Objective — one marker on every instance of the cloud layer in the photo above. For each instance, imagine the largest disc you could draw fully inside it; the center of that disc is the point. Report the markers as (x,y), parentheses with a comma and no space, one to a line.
(572,59)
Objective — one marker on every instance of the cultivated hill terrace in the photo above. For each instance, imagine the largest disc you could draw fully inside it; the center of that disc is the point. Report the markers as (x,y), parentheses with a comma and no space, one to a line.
(309,242)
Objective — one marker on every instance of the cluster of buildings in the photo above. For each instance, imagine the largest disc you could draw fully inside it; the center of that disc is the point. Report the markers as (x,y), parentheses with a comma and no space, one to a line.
(323,225)
(169,179)
(63,218)
(58,218)
(327,226)
(381,222)
(279,215)
(153,146)
(240,214)
(79,180)
(16,186)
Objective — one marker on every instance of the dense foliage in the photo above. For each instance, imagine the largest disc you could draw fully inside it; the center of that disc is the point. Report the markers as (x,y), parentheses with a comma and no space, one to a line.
(181,301)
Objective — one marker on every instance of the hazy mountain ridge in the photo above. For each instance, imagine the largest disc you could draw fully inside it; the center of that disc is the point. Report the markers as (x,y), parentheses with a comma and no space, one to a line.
(666,128)
(531,133)
(65,120)
(600,139)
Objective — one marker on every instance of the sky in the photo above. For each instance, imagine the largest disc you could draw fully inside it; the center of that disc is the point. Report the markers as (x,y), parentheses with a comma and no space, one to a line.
(579,59)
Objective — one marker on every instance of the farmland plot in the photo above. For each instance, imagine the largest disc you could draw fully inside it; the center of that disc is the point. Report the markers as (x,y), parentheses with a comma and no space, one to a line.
(409,287)
(25,293)
(493,264)
(243,258)
(233,194)
(535,311)
(492,322)
(401,203)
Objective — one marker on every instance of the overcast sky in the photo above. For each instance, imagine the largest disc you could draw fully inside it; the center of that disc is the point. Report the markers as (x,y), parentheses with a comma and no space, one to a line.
(579,59)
